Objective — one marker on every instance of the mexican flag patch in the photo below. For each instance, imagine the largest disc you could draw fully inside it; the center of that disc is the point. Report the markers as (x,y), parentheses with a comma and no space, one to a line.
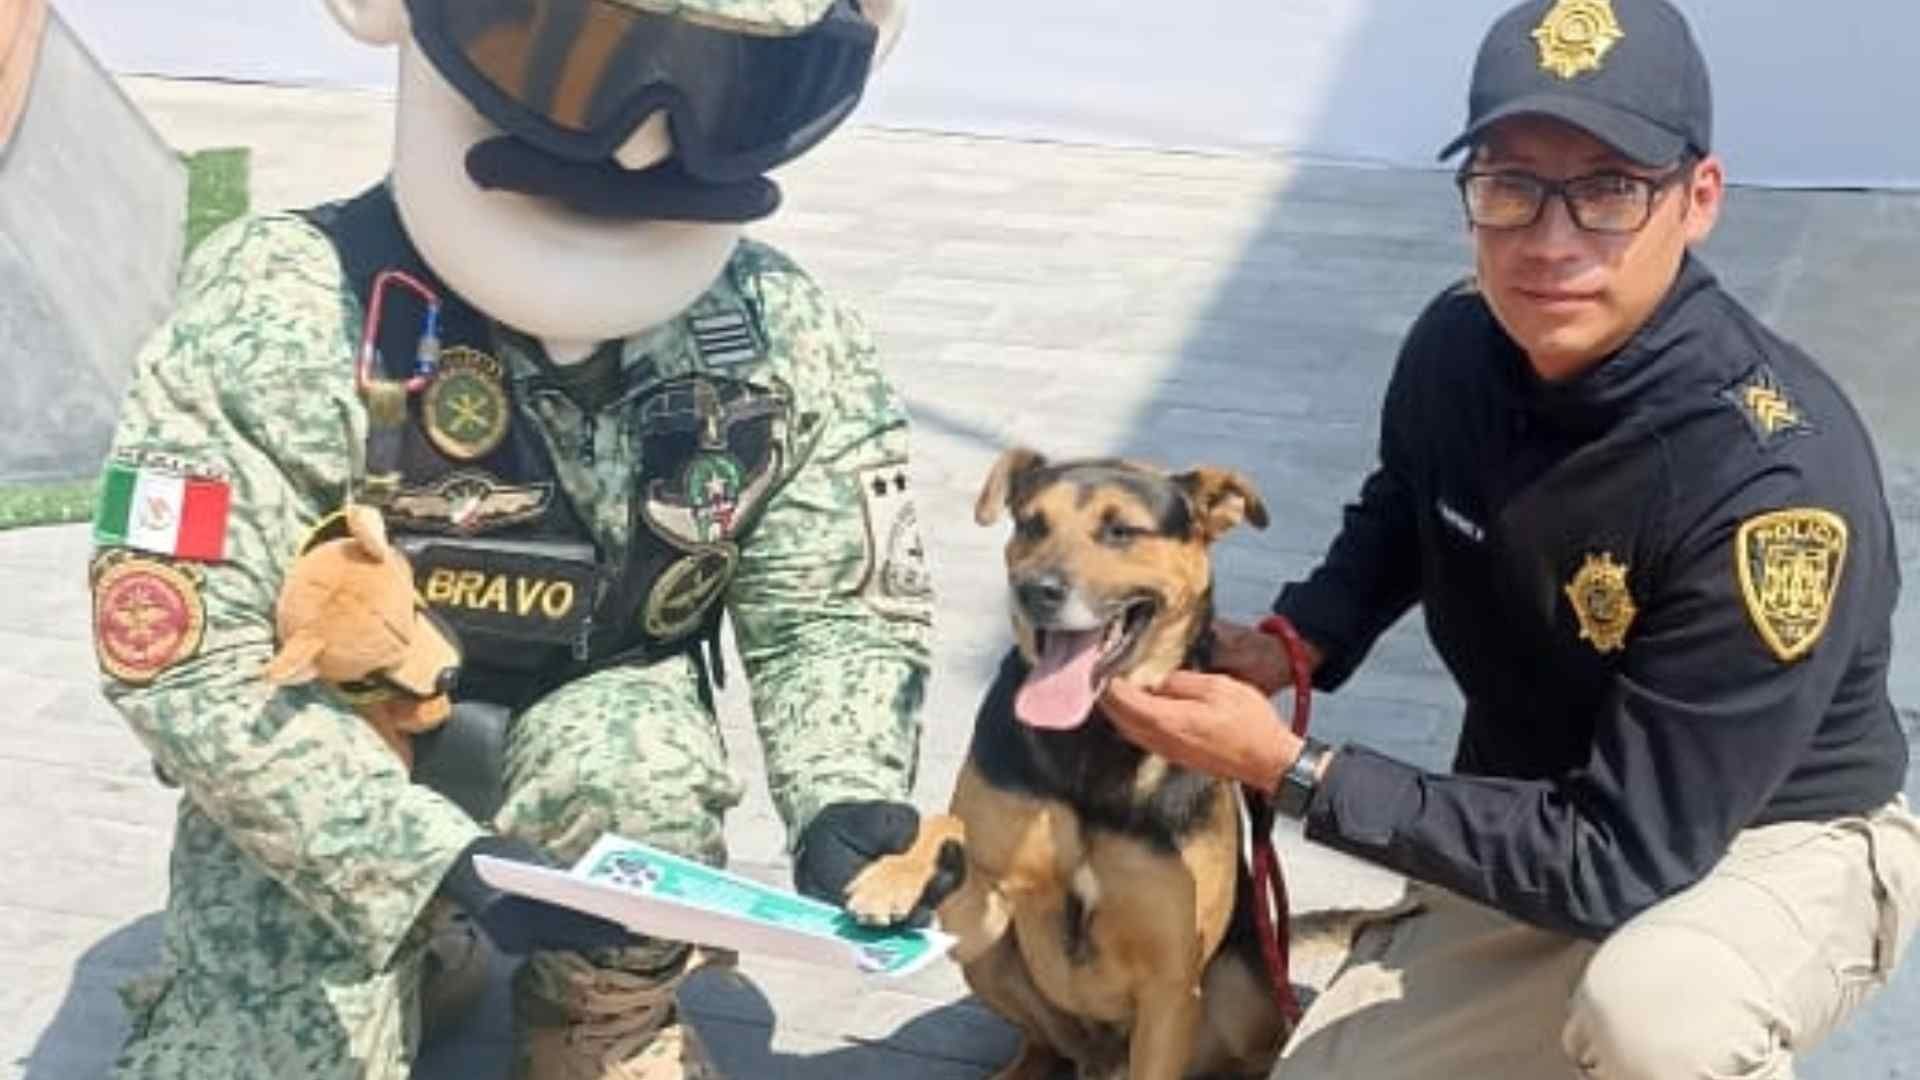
(159,510)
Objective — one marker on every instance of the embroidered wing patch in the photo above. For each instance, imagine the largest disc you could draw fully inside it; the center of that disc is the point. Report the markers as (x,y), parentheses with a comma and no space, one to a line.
(1789,563)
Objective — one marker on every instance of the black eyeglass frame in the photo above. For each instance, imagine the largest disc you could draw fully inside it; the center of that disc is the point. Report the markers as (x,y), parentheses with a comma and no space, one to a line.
(1650,186)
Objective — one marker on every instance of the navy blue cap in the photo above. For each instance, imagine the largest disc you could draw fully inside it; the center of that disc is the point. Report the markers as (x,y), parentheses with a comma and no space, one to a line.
(1627,72)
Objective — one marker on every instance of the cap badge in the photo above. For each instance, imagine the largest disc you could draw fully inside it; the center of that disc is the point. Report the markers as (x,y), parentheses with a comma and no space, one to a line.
(1602,602)
(1575,36)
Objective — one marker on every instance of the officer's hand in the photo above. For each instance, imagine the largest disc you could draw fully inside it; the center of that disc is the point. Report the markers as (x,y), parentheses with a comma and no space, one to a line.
(520,924)
(1209,722)
(1251,656)
(844,837)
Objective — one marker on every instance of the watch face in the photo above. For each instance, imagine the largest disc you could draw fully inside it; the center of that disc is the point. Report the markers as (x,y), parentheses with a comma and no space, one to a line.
(1298,784)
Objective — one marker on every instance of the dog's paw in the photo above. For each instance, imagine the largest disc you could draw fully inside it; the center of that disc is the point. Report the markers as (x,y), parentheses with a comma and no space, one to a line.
(888,890)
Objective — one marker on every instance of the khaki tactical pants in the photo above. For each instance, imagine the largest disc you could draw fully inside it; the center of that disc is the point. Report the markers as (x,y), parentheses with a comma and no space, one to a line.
(254,985)
(1734,977)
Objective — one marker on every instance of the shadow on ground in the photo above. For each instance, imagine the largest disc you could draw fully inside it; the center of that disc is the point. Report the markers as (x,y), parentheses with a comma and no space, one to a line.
(87,1030)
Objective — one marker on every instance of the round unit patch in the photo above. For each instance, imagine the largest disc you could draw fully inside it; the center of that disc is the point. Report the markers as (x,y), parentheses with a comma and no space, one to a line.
(465,408)
(147,616)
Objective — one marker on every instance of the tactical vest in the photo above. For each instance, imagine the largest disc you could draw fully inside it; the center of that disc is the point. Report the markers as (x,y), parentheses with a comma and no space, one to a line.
(498,548)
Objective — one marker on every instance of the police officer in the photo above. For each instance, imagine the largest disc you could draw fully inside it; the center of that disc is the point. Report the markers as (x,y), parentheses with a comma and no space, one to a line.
(1650,542)
(595,418)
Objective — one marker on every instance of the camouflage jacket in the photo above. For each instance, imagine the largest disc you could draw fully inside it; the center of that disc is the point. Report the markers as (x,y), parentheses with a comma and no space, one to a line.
(248,391)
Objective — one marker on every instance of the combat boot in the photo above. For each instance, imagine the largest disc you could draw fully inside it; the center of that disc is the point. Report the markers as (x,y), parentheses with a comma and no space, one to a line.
(575,1022)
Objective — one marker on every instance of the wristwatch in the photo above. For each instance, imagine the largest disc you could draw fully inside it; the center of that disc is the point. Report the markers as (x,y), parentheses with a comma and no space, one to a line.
(1297,784)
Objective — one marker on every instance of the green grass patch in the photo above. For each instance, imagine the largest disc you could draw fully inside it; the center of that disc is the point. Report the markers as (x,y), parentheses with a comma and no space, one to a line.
(217,192)
(22,505)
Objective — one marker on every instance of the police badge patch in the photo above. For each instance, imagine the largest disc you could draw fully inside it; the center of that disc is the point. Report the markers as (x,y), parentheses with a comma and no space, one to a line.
(465,409)
(1602,602)
(1575,36)
(897,581)
(1789,564)
(147,615)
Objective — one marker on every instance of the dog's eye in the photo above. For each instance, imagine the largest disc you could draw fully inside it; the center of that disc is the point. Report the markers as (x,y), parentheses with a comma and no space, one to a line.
(1119,533)
(1031,528)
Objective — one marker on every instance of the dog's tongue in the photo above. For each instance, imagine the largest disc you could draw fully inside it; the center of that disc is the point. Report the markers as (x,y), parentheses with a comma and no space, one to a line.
(1058,693)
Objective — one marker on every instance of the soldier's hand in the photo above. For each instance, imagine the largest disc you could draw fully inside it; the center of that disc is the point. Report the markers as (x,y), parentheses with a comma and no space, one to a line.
(844,837)
(1251,656)
(518,924)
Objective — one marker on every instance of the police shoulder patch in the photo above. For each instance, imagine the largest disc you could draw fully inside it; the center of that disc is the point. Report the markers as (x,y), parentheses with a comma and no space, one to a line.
(148,615)
(1789,564)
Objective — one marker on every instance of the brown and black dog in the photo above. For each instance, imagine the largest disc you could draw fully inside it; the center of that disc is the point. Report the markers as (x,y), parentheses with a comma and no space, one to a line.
(1104,909)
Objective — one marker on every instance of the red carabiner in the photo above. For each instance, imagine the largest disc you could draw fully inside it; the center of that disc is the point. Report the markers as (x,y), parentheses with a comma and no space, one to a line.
(426,357)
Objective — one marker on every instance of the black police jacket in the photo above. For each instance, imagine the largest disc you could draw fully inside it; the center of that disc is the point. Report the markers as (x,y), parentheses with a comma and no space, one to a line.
(1665,588)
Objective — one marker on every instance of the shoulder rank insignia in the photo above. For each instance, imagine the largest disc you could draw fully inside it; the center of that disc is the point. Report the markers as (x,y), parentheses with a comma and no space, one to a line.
(147,615)
(1789,563)
(1575,36)
(1770,412)
(723,338)
(897,582)
(465,407)
(1602,602)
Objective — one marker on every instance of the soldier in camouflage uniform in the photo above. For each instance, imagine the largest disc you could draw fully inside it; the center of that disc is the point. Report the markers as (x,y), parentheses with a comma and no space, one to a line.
(582,514)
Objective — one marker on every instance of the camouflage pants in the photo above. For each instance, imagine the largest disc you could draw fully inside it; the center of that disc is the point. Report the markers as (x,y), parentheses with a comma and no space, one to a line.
(255,985)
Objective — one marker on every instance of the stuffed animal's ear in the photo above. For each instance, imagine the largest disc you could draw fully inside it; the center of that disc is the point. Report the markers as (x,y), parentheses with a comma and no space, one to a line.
(1003,482)
(369,529)
(295,663)
(1222,499)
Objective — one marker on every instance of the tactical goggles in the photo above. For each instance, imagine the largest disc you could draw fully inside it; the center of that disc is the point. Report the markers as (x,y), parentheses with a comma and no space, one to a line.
(576,78)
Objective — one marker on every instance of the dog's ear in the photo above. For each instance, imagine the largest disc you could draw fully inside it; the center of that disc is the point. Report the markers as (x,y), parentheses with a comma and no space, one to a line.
(295,662)
(369,529)
(1003,482)
(1222,499)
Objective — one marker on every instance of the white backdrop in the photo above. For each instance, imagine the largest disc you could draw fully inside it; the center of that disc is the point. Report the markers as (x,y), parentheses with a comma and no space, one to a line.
(1823,94)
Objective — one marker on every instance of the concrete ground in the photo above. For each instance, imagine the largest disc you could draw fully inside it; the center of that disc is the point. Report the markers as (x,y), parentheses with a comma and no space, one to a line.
(1182,308)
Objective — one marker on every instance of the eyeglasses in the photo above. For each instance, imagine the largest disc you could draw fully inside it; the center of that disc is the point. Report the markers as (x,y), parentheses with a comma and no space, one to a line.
(1607,202)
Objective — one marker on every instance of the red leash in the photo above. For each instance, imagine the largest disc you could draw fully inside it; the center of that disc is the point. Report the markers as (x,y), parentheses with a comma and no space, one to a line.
(1270,907)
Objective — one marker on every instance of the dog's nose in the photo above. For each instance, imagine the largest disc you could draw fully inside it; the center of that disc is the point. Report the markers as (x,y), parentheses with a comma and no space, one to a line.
(1041,595)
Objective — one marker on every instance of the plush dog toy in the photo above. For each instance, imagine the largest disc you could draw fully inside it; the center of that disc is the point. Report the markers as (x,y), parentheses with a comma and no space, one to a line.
(349,617)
